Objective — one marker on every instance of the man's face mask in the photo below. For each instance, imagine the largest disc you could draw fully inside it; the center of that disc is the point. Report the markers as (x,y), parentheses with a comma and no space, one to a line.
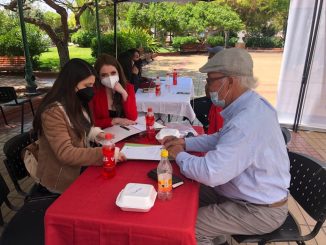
(215,98)
(85,94)
(110,81)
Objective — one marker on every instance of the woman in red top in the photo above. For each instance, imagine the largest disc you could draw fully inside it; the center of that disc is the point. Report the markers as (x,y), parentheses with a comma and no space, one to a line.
(114,101)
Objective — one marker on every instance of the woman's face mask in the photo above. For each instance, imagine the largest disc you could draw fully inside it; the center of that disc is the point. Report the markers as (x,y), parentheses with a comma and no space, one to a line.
(85,95)
(110,81)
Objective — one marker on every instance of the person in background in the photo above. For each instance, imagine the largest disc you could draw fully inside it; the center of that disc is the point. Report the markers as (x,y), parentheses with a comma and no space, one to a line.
(131,71)
(136,60)
(245,173)
(114,102)
(64,125)
(206,112)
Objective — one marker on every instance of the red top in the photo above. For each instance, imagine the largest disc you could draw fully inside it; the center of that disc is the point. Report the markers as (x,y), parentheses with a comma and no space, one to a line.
(215,119)
(100,108)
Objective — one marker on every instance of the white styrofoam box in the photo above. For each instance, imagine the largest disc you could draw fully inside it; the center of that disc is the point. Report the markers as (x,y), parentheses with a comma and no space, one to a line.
(136,197)
(167,132)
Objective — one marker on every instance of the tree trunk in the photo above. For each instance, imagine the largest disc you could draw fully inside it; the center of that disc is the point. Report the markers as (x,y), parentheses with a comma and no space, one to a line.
(226,37)
(63,52)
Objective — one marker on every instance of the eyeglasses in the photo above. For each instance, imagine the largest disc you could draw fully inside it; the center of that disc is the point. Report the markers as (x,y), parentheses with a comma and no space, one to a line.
(210,80)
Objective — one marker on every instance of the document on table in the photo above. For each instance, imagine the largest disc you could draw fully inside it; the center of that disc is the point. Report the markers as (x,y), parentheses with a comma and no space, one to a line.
(142,152)
(122,132)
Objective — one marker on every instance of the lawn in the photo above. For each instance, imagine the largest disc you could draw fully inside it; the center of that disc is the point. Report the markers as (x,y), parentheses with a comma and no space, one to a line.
(50,60)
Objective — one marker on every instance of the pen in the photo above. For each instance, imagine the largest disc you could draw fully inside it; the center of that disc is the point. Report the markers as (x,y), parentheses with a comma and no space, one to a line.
(124,127)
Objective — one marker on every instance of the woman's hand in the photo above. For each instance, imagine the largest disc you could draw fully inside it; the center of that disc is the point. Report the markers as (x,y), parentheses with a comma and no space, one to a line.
(118,87)
(100,136)
(135,70)
(122,121)
(119,156)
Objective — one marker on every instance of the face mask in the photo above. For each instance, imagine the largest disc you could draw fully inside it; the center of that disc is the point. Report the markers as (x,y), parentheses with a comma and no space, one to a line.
(215,100)
(85,94)
(110,81)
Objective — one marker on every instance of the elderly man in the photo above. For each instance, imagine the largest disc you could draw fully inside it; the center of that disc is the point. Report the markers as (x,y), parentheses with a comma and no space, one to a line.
(245,172)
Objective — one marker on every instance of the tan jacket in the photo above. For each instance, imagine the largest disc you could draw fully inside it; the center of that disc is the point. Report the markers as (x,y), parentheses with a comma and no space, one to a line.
(61,152)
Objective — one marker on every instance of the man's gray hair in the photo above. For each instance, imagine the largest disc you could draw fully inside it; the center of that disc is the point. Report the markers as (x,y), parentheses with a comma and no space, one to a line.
(248,81)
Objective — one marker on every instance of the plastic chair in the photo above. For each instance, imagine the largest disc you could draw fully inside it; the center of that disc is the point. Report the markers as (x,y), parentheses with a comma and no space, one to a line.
(27,225)
(13,161)
(4,191)
(286,135)
(308,182)
(8,97)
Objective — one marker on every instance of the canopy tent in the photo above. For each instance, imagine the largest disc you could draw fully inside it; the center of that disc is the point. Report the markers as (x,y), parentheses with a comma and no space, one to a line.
(302,84)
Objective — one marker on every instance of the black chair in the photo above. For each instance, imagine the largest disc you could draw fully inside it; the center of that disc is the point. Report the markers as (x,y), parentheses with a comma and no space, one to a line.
(13,161)
(4,191)
(8,97)
(27,225)
(201,108)
(286,135)
(308,182)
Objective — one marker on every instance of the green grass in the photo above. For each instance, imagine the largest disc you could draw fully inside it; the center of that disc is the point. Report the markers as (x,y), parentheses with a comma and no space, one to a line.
(50,60)
(166,49)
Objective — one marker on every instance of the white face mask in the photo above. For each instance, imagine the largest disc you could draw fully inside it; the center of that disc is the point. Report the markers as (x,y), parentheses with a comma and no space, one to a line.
(215,98)
(110,81)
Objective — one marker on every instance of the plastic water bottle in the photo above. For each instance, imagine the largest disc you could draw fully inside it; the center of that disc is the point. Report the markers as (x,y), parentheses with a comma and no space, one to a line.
(175,77)
(108,156)
(150,119)
(167,82)
(164,177)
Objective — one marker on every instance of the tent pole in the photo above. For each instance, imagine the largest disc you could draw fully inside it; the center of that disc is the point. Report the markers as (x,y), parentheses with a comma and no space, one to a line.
(308,61)
(115,28)
(98,31)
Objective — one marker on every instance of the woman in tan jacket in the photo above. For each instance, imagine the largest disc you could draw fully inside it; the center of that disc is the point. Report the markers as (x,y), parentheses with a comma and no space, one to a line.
(64,125)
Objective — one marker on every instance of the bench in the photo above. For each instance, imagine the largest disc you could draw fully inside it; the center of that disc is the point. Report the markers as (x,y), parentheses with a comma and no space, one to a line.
(12,63)
(193,48)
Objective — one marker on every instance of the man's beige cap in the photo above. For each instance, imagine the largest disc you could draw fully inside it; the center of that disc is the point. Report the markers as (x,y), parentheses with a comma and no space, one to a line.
(233,62)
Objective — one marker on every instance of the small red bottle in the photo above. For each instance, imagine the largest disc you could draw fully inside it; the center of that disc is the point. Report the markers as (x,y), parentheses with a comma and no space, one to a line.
(108,156)
(175,77)
(150,119)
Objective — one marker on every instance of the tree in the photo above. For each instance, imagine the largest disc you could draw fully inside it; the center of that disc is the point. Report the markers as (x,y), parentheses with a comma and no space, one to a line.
(57,31)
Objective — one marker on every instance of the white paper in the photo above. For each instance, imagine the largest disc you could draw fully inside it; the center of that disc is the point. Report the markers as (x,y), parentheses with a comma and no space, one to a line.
(151,152)
(120,133)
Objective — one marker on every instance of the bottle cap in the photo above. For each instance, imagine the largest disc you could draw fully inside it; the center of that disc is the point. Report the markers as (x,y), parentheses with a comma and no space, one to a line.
(149,109)
(164,153)
(108,136)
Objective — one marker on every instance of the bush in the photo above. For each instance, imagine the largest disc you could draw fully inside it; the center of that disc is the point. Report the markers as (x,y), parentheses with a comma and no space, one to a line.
(127,39)
(11,43)
(125,42)
(215,41)
(177,42)
(83,38)
(264,42)
(232,41)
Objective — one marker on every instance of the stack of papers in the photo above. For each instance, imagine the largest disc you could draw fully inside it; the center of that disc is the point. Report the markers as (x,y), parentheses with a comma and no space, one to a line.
(122,132)
(142,152)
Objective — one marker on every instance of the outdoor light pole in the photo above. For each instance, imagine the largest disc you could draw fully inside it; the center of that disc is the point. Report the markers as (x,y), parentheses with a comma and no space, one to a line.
(30,79)
(99,43)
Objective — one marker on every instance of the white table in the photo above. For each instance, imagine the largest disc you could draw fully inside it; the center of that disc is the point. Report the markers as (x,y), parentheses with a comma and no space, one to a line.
(169,102)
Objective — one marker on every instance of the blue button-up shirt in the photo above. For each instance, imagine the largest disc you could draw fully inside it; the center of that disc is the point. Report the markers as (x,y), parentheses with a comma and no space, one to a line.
(247,159)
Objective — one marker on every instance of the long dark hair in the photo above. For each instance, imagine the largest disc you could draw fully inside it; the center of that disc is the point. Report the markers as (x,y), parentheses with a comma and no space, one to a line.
(106,59)
(63,91)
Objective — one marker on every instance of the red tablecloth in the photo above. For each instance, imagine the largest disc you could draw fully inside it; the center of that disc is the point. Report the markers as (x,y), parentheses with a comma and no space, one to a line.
(87,214)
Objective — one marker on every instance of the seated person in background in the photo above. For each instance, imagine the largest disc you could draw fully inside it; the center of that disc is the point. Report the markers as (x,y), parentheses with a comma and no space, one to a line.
(131,71)
(245,173)
(136,60)
(206,112)
(114,101)
(64,126)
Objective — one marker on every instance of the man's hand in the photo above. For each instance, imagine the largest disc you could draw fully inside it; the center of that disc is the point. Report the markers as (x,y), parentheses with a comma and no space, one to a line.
(169,141)
(174,145)
(175,150)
